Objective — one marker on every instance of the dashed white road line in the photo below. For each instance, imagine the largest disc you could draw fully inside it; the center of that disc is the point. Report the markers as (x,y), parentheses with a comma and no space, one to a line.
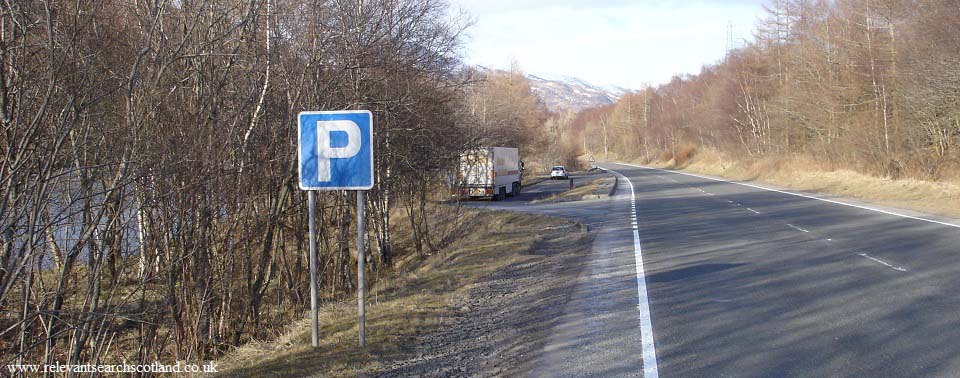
(802,195)
(897,268)
(647,347)
(646,326)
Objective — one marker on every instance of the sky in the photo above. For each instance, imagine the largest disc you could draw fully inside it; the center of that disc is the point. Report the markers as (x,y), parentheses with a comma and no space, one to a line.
(605,42)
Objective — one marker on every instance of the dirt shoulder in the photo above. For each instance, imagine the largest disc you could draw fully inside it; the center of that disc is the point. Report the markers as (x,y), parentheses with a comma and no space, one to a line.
(937,198)
(480,308)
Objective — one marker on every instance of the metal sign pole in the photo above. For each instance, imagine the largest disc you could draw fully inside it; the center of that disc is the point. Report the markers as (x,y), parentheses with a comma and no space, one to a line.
(327,161)
(361,281)
(312,200)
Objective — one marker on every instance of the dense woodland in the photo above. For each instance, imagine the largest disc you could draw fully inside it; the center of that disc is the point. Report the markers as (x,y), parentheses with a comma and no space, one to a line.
(868,85)
(149,207)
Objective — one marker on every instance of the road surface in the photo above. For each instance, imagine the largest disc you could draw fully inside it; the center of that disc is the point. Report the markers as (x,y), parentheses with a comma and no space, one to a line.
(741,281)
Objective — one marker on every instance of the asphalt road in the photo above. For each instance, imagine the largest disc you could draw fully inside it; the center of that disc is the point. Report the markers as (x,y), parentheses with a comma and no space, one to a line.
(746,282)
(597,332)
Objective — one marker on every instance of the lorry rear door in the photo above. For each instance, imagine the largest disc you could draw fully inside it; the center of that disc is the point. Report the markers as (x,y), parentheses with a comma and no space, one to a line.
(477,168)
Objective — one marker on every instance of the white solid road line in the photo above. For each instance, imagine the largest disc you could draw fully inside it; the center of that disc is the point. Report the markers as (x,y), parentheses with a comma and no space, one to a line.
(647,347)
(897,268)
(801,195)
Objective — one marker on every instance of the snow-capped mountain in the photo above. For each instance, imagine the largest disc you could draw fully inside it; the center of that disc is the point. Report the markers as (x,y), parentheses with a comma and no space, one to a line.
(570,93)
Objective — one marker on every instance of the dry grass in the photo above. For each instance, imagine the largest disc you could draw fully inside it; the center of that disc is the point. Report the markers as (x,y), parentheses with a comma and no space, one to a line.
(584,188)
(806,174)
(414,300)
(684,155)
(531,179)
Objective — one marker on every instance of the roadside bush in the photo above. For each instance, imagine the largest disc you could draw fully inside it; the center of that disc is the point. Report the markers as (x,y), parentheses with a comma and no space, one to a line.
(685,154)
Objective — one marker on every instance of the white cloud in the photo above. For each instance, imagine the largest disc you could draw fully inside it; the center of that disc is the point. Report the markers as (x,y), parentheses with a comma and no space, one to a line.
(607,42)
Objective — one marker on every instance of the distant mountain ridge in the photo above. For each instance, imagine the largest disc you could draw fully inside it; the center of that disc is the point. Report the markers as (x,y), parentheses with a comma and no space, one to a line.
(570,93)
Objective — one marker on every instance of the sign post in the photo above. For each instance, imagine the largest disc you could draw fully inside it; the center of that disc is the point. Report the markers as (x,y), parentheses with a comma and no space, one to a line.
(335,150)
(312,201)
(361,281)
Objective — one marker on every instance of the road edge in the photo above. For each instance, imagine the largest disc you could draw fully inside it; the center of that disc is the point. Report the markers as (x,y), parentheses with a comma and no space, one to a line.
(808,196)
(647,345)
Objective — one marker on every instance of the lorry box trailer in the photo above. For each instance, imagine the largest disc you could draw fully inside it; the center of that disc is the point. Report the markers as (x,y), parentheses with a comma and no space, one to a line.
(490,172)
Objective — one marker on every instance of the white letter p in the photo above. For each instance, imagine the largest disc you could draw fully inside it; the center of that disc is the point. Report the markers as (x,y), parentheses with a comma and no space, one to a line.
(325,152)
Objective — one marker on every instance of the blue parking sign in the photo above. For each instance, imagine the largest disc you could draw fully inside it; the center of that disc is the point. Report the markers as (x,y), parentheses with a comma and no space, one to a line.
(335,150)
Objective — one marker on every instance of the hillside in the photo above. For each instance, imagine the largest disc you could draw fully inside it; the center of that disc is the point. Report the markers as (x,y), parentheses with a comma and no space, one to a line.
(569,93)
(566,93)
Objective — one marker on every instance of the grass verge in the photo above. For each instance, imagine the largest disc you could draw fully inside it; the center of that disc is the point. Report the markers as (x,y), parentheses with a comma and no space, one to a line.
(416,299)
(534,179)
(585,187)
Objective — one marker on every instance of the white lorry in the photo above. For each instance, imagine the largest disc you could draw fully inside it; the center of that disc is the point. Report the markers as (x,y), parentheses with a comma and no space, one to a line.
(490,172)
